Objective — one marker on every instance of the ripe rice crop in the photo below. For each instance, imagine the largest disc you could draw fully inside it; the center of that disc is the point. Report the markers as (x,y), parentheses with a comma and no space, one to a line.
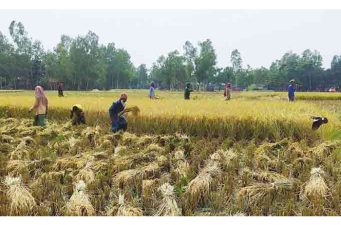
(254,155)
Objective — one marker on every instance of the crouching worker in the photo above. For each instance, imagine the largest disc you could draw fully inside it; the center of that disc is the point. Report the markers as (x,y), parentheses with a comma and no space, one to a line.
(318,121)
(40,106)
(77,115)
(116,111)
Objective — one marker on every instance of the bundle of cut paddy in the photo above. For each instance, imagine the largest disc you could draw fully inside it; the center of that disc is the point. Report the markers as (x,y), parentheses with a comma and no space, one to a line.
(261,193)
(145,140)
(227,159)
(127,210)
(128,138)
(134,110)
(119,149)
(163,161)
(149,188)
(21,200)
(86,174)
(152,170)
(49,131)
(91,134)
(198,189)
(267,176)
(21,152)
(181,166)
(168,206)
(6,138)
(294,151)
(316,189)
(79,203)
(73,142)
(325,149)
(17,167)
(128,179)
(155,148)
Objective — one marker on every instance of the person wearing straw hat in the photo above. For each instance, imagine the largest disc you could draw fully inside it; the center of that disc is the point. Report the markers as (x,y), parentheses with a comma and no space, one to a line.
(40,106)
(291,91)
(116,111)
(77,115)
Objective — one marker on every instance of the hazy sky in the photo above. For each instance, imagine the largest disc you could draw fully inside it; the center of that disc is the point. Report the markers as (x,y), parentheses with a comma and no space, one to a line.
(260,35)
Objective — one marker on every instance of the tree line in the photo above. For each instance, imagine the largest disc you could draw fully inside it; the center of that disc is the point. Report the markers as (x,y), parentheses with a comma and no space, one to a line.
(82,63)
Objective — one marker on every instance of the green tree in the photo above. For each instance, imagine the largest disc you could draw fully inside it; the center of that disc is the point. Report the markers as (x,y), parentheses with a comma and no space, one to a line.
(236,61)
(205,62)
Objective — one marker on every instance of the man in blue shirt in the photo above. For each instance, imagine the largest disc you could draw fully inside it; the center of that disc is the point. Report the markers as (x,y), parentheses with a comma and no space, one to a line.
(291,91)
(118,121)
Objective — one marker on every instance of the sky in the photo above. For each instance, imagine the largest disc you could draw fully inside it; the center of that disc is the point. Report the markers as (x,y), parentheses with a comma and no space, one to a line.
(261,36)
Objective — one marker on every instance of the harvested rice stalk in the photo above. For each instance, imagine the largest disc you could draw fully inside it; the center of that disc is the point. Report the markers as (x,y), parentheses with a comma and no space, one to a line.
(133,109)
(168,206)
(179,155)
(267,176)
(180,165)
(17,167)
(127,210)
(79,203)
(86,173)
(128,179)
(316,189)
(255,195)
(73,142)
(91,134)
(19,154)
(262,194)
(163,161)
(149,188)
(155,148)
(227,159)
(145,140)
(6,139)
(119,149)
(21,201)
(199,188)
(151,171)
(128,138)
(324,150)
(294,151)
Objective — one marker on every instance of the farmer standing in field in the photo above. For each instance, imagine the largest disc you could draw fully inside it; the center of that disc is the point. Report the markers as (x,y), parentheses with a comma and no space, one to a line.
(291,91)
(118,121)
(60,89)
(188,91)
(77,115)
(40,106)
(152,91)
(227,91)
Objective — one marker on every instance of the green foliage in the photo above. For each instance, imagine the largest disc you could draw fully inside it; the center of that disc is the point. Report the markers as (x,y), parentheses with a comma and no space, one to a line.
(83,63)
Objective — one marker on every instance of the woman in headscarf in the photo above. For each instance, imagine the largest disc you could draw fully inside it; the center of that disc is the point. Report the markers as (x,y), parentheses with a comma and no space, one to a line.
(152,91)
(40,106)
(227,91)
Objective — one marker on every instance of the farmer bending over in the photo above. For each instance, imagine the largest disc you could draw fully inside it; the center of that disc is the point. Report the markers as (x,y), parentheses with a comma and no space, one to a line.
(40,106)
(318,121)
(116,111)
(77,115)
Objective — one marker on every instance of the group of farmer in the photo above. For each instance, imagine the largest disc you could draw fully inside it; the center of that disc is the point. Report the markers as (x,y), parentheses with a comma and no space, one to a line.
(118,108)
(116,111)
